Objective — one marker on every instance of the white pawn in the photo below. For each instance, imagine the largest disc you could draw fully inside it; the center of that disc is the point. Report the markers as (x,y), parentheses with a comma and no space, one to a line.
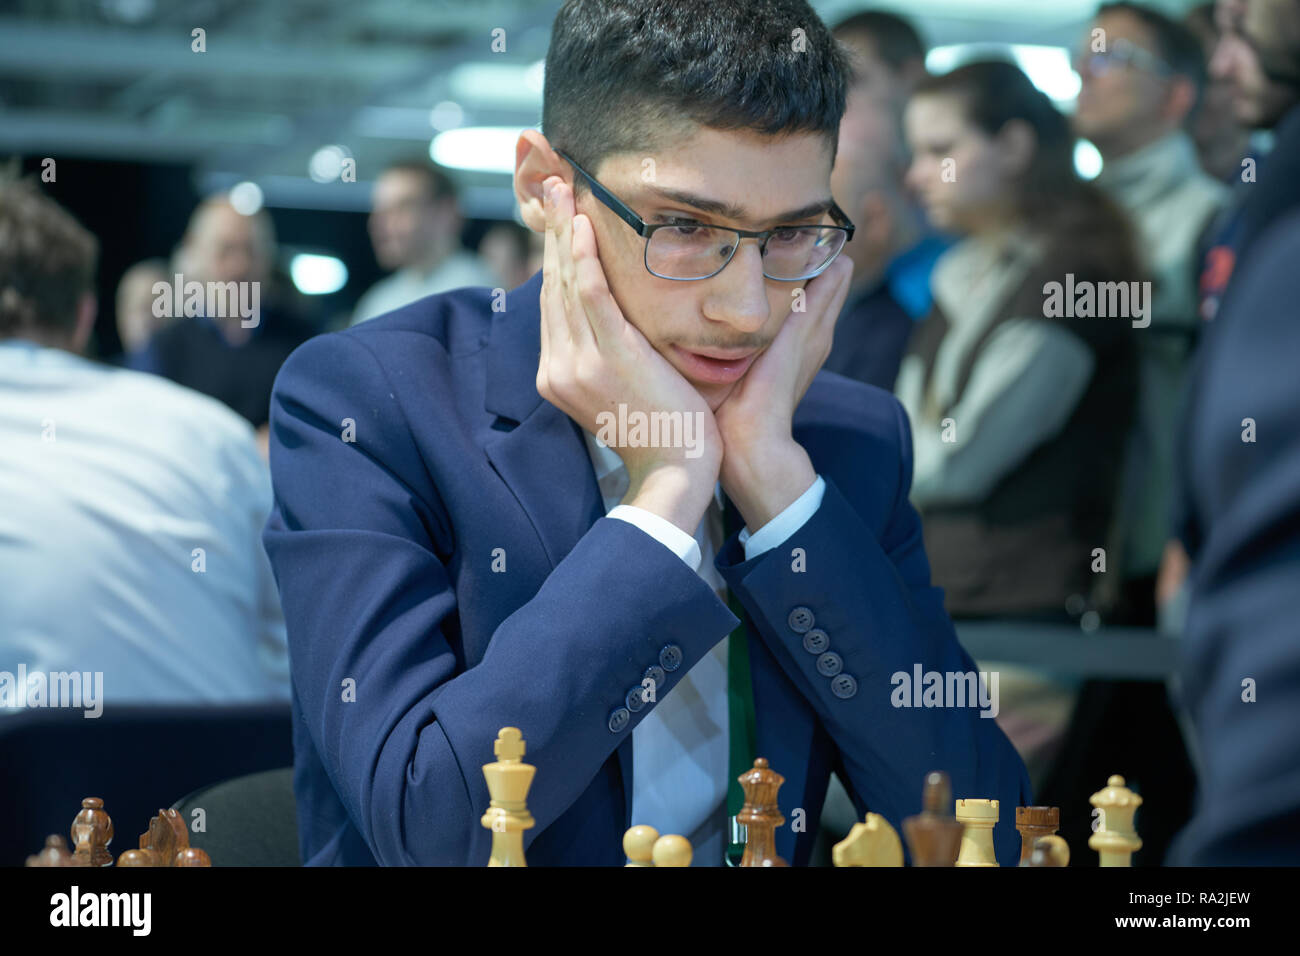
(672,850)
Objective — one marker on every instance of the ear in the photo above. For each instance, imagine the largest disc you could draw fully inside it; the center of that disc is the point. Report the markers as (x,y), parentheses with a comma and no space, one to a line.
(86,309)
(1016,142)
(535,162)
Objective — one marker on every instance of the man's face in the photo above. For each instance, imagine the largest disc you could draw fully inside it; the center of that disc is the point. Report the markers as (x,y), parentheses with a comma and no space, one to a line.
(226,246)
(738,312)
(405,222)
(1119,101)
(865,167)
(958,172)
(1246,26)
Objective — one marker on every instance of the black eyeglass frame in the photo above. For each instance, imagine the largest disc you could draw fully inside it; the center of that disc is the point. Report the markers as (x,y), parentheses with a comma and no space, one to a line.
(646,230)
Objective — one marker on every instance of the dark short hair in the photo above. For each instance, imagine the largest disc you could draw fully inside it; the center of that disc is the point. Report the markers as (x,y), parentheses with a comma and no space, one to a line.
(624,75)
(438,180)
(47,263)
(1177,46)
(895,40)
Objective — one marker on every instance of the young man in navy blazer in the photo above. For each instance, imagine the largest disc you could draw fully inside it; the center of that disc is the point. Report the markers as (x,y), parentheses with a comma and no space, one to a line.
(457,552)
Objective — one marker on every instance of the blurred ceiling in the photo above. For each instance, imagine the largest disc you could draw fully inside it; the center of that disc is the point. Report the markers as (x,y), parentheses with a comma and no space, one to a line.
(282,80)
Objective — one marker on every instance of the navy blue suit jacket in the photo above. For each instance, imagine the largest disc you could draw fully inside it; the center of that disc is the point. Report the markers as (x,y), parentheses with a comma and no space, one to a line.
(383,548)
(1241,623)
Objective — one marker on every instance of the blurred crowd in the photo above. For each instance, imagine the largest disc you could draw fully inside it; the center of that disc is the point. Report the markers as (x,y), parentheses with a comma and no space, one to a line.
(1052,460)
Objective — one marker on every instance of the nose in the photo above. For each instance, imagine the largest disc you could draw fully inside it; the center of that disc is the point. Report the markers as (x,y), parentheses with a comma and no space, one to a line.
(738,294)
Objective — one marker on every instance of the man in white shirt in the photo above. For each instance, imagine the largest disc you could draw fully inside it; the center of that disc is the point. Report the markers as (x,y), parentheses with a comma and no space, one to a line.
(129,543)
(415,224)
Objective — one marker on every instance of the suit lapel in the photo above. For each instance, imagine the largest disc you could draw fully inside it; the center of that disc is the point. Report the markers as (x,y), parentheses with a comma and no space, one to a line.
(539,451)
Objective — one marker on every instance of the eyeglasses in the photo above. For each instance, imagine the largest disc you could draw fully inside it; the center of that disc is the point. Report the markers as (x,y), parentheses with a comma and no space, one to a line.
(686,250)
(1121,53)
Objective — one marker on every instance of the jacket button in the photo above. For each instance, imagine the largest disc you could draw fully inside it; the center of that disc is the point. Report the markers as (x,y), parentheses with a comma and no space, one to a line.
(801,620)
(844,686)
(816,641)
(618,720)
(670,658)
(829,664)
(634,700)
(655,674)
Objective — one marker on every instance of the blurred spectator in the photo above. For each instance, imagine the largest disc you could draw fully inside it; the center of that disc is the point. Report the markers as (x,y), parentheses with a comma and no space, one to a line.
(1143,75)
(888,52)
(1004,392)
(507,249)
(1241,662)
(1221,140)
(130,533)
(231,344)
(415,226)
(1259,56)
(1012,510)
(136,322)
(892,250)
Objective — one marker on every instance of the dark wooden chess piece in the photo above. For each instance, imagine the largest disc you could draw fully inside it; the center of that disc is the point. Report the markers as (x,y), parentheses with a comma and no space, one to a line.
(934,835)
(167,843)
(1035,822)
(92,832)
(1049,850)
(761,815)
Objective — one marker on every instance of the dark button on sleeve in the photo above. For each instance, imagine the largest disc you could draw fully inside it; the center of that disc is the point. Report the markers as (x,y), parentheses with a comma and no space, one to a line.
(816,641)
(829,664)
(619,720)
(634,699)
(844,686)
(656,674)
(670,658)
(801,620)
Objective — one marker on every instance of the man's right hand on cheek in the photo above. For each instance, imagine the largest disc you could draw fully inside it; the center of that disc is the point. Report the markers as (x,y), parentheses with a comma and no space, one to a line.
(593,361)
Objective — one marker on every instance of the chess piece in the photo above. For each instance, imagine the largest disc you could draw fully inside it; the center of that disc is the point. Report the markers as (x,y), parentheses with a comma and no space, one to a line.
(638,844)
(92,832)
(934,835)
(507,815)
(672,850)
(1050,850)
(1115,839)
(165,843)
(979,818)
(873,843)
(761,814)
(1035,822)
(55,853)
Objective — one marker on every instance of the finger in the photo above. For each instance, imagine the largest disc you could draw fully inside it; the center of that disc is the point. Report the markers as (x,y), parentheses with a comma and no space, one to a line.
(602,313)
(562,217)
(555,334)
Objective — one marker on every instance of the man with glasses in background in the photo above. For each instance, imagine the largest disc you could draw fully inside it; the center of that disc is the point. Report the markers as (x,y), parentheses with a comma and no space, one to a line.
(653,611)
(1143,77)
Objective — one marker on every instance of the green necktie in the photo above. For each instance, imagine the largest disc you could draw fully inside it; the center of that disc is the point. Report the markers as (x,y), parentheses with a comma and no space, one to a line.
(740,714)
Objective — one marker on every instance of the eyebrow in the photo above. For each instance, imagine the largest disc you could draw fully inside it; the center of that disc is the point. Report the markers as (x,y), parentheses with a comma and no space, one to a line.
(731,211)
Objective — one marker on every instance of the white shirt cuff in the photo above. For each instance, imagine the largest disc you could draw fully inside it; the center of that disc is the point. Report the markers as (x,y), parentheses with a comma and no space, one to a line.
(794,517)
(662,530)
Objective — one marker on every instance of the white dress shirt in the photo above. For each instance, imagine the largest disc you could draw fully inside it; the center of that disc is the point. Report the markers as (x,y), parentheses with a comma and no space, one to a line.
(110,480)
(458,271)
(680,749)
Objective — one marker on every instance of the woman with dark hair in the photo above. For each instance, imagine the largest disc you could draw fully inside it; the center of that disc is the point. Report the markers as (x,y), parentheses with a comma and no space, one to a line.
(1020,391)
(1020,403)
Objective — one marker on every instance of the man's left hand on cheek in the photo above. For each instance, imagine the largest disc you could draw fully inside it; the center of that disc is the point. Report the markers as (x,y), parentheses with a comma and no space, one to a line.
(763,468)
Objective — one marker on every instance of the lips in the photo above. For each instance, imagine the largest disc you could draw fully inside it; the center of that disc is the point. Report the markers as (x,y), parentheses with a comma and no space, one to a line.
(716,366)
